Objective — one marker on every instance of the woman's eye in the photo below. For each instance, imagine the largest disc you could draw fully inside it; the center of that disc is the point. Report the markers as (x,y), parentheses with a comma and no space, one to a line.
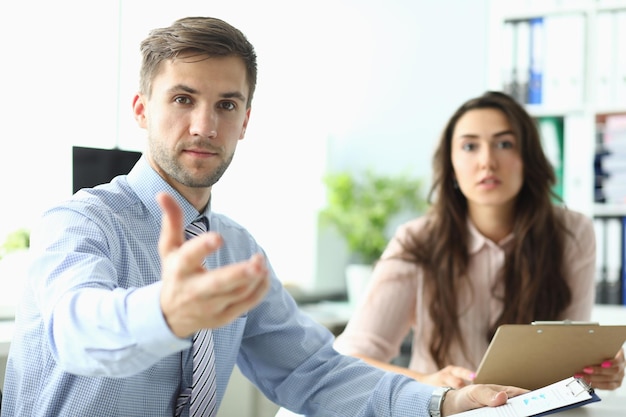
(505,144)
(468,146)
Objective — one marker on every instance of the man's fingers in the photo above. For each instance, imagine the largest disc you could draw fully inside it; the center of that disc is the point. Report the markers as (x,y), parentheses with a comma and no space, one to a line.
(502,393)
(499,398)
(228,292)
(475,396)
(193,252)
(172,229)
(241,305)
(233,278)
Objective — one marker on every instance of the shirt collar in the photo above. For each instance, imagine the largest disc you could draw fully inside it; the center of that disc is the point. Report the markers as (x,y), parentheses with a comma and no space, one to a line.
(147,183)
(477,240)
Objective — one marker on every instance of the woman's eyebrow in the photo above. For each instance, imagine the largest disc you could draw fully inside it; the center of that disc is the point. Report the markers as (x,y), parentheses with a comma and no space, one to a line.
(504,133)
(476,136)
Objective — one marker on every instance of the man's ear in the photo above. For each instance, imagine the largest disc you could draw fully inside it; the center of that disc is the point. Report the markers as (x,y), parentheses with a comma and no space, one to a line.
(139,110)
(245,124)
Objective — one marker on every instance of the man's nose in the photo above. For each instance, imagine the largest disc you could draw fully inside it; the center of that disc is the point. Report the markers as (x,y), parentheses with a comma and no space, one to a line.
(203,123)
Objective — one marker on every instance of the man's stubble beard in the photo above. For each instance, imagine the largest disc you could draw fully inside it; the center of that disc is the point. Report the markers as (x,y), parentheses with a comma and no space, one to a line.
(179,173)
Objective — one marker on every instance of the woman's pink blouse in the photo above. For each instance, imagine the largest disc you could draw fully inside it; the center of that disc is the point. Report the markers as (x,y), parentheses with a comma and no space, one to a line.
(395,301)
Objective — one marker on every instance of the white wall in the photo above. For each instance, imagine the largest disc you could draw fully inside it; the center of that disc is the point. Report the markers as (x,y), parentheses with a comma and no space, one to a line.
(59,88)
(341,84)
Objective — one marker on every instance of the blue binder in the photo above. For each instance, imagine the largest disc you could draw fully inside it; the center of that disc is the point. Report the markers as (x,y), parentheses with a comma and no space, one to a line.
(535,82)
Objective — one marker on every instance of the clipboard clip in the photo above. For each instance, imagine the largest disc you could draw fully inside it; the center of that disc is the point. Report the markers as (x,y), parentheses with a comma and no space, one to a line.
(578,385)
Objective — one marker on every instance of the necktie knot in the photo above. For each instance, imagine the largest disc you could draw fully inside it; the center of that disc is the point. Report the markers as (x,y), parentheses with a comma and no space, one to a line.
(197,227)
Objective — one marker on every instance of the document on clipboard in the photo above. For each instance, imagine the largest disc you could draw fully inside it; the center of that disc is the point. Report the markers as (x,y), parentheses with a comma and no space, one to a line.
(535,355)
(568,393)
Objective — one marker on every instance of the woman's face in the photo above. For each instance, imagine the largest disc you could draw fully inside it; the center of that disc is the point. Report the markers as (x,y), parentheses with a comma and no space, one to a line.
(486,159)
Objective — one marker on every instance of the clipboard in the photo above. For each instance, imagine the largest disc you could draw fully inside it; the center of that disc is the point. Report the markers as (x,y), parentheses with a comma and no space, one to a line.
(554,398)
(580,393)
(534,355)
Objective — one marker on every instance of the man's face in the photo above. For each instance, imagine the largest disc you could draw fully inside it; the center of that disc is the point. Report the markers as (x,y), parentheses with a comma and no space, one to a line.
(195,116)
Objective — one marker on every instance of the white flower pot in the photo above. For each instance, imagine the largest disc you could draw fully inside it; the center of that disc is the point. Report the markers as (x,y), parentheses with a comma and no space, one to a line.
(13,269)
(357,279)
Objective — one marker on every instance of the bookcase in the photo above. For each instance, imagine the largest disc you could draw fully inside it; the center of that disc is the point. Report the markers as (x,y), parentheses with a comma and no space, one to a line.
(565,60)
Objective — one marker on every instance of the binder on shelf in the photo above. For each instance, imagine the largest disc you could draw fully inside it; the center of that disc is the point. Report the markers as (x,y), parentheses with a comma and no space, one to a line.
(564,64)
(599,227)
(620,87)
(623,277)
(605,59)
(521,71)
(535,83)
(614,162)
(610,275)
(615,133)
(552,82)
(508,53)
(551,134)
(614,255)
(600,152)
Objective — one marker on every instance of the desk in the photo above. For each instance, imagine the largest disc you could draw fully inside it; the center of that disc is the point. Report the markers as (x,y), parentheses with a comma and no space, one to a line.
(337,313)
(612,405)
(334,315)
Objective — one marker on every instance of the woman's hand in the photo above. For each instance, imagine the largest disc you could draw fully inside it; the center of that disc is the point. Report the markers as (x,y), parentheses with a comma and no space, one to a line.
(450,376)
(608,375)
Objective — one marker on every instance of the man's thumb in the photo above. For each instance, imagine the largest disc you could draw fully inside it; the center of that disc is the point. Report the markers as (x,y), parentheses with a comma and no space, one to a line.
(172,231)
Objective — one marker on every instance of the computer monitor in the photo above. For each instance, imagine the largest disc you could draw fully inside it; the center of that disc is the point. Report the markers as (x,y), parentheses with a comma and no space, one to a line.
(94,166)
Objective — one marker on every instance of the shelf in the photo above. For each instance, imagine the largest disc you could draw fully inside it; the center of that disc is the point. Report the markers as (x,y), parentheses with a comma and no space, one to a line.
(527,9)
(564,54)
(538,110)
(609,210)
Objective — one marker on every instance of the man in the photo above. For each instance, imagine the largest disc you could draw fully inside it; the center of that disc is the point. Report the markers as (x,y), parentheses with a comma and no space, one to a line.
(121,311)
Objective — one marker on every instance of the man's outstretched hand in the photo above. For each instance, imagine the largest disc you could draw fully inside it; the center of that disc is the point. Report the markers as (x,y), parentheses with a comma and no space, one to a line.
(192,297)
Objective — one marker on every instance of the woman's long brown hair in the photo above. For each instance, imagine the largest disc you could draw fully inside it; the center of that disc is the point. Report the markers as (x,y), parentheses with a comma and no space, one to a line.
(535,286)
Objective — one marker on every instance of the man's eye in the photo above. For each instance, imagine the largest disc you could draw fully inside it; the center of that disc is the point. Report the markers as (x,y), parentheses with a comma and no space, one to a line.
(228,105)
(182,100)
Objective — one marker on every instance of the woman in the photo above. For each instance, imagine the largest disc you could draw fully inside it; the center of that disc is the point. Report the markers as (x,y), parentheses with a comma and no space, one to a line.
(493,249)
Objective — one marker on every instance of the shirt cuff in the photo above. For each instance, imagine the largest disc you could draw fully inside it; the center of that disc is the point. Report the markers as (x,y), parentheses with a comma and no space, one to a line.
(147,324)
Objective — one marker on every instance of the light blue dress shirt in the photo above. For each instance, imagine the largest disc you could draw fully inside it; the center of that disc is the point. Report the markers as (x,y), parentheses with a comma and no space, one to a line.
(91,341)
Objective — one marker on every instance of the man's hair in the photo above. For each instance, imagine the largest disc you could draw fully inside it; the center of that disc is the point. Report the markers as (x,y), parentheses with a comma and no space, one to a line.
(197,35)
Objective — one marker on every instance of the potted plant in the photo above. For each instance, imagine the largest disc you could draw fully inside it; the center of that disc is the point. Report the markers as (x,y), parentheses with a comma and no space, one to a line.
(17,240)
(362,208)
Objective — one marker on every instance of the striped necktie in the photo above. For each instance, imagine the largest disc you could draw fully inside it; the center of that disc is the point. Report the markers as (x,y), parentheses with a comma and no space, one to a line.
(201,397)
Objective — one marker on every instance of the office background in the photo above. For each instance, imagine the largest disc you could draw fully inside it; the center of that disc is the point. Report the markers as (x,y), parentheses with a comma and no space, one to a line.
(350,83)
(342,84)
